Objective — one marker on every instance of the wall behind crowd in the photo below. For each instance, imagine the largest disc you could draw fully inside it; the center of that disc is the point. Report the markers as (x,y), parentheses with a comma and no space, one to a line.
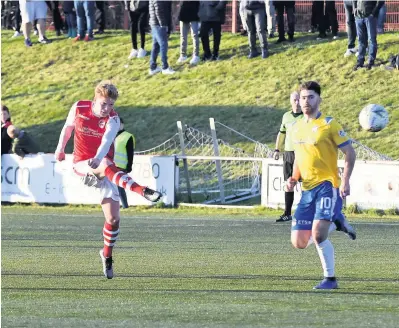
(117,18)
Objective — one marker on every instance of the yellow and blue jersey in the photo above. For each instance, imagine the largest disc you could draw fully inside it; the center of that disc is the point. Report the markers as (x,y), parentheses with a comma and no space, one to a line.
(316,142)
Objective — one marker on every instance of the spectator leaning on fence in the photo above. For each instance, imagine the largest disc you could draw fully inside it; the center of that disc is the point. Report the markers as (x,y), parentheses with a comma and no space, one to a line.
(31,11)
(350,28)
(366,15)
(160,22)
(6,141)
(255,15)
(138,12)
(85,9)
(212,16)
(189,20)
(23,143)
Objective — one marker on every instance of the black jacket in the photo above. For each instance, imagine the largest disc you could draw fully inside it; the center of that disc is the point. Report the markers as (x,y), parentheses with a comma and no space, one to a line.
(6,141)
(189,11)
(161,13)
(254,4)
(366,8)
(212,11)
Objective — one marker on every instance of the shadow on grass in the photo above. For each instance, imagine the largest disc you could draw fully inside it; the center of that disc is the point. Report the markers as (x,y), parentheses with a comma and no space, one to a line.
(197,276)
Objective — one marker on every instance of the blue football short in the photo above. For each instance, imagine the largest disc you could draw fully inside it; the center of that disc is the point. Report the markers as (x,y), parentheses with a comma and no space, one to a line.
(320,203)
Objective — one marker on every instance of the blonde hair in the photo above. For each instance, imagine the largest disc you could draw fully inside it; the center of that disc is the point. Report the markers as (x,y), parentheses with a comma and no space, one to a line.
(106,89)
(13,132)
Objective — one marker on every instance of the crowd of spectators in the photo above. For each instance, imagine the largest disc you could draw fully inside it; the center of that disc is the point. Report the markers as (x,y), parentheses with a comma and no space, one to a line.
(364,19)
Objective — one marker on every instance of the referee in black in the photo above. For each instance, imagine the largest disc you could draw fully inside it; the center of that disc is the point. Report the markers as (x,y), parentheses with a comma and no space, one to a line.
(284,141)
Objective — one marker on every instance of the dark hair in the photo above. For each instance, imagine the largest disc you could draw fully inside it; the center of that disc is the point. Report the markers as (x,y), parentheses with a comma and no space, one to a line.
(5,108)
(121,119)
(311,85)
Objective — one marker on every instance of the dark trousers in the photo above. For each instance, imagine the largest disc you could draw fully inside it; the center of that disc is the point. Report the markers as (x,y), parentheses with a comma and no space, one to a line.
(159,45)
(327,16)
(367,35)
(256,23)
(138,24)
(315,19)
(289,7)
(123,197)
(100,16)
(55,11)
(350,25)
(70,14)
(217,36)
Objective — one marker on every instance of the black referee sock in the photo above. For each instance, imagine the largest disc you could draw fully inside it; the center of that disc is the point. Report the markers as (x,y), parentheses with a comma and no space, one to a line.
(289,200)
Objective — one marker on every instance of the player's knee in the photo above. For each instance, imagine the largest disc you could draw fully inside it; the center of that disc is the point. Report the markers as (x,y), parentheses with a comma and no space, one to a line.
(113,220)
(298,243)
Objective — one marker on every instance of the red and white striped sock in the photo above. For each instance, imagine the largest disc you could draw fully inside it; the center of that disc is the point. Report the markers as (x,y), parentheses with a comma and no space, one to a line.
(110,233)
(122,179)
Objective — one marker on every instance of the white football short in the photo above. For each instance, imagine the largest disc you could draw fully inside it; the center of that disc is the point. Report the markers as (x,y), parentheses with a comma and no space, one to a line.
(106,187)
(31,10)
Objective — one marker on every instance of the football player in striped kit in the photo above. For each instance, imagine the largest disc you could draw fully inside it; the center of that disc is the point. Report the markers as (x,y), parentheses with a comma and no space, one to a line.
(96,124)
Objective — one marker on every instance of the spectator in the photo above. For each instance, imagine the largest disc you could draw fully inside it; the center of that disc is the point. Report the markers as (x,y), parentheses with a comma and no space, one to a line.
(124,151)
(70,18)
(23,143)
(271,18)
(138,12)
(160,22)
(315,18)
(382,15)
(85,9)
(212,16)
(350,28)
(189,18)
(284,141)
(255,13)
(244,31)
(290,11)
(366,14)
(100,17)
(30,11)
(16,12)
(327,15)
(57,20)
(6,141)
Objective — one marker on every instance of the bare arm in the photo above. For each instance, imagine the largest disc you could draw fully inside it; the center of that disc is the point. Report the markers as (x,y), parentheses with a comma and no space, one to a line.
(111,131)
(67,130)
(280,141)
(350,158)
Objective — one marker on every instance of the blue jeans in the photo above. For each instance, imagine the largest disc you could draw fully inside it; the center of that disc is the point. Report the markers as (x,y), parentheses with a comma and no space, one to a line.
(88,9)
(367,34)
(382,15)
(159,44)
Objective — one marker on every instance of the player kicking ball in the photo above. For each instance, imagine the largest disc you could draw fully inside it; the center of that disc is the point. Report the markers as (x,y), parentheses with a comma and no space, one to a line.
(96,125)
(317,139)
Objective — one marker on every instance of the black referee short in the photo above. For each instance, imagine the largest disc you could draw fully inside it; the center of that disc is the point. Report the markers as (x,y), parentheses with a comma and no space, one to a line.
(288,164)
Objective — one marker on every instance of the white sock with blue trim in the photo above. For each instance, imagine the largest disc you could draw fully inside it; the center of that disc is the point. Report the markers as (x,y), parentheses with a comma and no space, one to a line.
(326,254)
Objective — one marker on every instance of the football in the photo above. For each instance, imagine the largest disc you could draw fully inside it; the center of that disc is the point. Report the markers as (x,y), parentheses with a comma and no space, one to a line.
(373,118)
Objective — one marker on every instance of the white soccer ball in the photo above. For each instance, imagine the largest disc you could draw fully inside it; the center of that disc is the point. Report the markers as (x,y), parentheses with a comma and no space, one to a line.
(373,118)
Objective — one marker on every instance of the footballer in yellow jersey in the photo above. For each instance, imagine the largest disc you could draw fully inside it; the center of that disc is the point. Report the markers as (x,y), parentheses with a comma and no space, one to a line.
(317,139)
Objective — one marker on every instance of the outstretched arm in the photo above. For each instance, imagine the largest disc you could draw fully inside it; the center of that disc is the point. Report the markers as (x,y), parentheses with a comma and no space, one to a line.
(66,133)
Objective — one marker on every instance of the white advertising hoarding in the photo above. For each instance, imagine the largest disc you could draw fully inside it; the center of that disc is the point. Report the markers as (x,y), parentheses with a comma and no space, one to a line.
(373,185)
(40,179)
